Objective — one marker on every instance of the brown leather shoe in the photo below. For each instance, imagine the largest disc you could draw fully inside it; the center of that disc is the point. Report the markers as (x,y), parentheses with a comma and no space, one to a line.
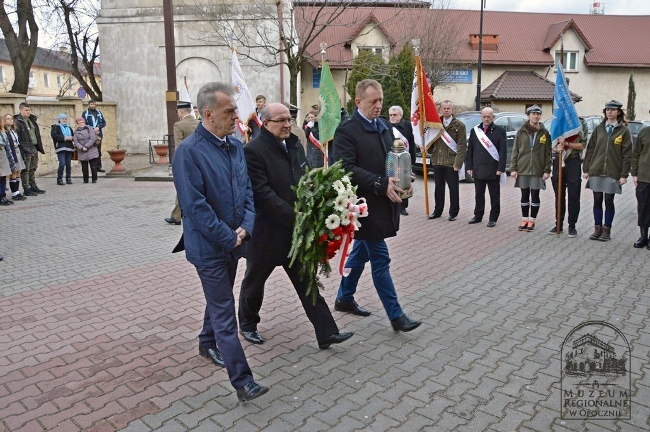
(598,231)
(605,236)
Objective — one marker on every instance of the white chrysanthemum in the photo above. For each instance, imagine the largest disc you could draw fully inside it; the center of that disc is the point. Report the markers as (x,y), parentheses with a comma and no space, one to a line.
(332,222)
(341,202)
(346,180)
(338,186)
(345,218)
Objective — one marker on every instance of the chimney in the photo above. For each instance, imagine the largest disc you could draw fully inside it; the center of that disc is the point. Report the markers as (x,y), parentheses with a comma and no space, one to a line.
(490,42)
(63,49)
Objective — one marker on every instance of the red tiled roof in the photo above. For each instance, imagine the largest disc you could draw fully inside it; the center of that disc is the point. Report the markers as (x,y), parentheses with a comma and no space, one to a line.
(524,38)
(517,85)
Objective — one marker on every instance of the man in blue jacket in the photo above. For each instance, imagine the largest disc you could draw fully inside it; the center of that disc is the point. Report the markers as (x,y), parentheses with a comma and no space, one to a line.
(216,201)
(96,120)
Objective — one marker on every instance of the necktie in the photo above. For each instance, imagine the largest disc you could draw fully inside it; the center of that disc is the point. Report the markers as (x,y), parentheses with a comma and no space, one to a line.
(609,130)
(485,128)
(373,125)
(284,146)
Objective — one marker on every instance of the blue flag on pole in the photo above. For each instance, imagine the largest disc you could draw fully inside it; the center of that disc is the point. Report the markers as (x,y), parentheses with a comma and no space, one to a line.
(566,122)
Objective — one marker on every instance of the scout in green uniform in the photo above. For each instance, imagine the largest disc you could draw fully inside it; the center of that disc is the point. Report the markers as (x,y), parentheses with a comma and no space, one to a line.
(607,165)
(530,165)
(641,175)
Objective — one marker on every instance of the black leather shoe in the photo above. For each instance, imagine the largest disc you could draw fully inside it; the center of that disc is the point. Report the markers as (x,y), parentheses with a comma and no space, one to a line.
(251,391)
(252,336)
(172,221)
(434,216)
(404,212)
(641,242)
(37,190)
(60,183)
(68,181)
(29,192)
(351,307)
(452,218)
(474,220)
(213,354)
(405,324)
(100,170)
(334,339)
(492,224)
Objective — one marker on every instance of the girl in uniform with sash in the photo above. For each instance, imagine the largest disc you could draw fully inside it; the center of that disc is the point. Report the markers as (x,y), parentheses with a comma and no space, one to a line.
(530,165)
(607,165)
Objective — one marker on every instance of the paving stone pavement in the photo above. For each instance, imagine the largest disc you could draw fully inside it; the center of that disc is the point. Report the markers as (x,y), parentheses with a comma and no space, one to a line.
(99,323)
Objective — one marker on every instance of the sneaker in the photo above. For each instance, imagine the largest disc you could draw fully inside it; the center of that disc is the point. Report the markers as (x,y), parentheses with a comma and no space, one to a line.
(18,197)
(572,232)
(554,230)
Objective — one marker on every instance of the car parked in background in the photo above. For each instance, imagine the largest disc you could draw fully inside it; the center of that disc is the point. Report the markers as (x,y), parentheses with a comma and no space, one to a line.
(635,127)
(510,121)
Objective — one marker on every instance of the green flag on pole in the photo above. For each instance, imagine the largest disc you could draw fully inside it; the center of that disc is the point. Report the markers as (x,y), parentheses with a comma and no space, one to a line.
(329,115)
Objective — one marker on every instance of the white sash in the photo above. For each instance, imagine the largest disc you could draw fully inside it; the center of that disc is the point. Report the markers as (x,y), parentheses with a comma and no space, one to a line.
(489,146)
(451,143)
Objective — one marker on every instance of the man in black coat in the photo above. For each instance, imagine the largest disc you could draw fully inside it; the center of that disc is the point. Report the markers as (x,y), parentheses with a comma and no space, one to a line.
(486,162)
(362,142)
(29,136)
(395,114)
(276,161)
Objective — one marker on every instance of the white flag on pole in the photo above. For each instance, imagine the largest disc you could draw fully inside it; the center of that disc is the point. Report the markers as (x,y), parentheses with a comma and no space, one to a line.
(243,98)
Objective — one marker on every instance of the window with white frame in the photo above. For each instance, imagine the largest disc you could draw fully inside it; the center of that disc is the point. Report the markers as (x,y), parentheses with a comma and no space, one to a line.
(371,50)
(46,80)
(59,81)
(3,77)
(32,79)
(570,62)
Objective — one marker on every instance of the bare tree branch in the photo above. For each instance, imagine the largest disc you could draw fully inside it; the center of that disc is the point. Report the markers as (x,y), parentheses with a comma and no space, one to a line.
(22,45)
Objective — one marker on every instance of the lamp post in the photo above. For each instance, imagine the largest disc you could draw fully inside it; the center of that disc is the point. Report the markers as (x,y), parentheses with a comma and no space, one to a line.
(480,59)
(171,96)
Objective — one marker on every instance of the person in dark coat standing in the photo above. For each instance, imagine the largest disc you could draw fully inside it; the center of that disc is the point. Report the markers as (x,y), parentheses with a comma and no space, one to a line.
(486,162)
(362,142)
(216,201)
(276,161)
(395,114)
(29,135)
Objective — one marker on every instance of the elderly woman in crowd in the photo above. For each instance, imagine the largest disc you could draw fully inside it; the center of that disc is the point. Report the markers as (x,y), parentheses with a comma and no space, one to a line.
(7,165)
(16,151)
(607,165)
(84,139)
(530,165)
(61,134)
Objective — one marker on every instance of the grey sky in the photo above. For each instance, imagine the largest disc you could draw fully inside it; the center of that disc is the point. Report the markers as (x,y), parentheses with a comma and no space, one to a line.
(612,7)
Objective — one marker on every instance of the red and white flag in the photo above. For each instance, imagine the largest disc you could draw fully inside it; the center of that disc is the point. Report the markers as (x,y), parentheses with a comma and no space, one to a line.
(427,126)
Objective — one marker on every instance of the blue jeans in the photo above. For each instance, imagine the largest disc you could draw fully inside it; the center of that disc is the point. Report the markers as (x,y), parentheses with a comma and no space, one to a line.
(377,253)
(64,162)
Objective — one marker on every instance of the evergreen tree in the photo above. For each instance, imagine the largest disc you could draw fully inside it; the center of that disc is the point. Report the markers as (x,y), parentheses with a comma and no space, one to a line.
(367,65)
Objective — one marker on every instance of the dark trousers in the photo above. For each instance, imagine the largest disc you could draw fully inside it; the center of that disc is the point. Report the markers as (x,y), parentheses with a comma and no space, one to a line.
(65,158)
(446,175)
(219,322)
(28,175)
(93,169)
(643,203)
(571,184)
(252,294)
(495,198)
(99,159)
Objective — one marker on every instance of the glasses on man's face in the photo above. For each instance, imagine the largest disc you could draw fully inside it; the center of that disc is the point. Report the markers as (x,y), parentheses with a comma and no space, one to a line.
(280,120)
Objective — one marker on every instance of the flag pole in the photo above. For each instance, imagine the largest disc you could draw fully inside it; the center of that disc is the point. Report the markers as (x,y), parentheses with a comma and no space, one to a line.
(560,184)
(423,149)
